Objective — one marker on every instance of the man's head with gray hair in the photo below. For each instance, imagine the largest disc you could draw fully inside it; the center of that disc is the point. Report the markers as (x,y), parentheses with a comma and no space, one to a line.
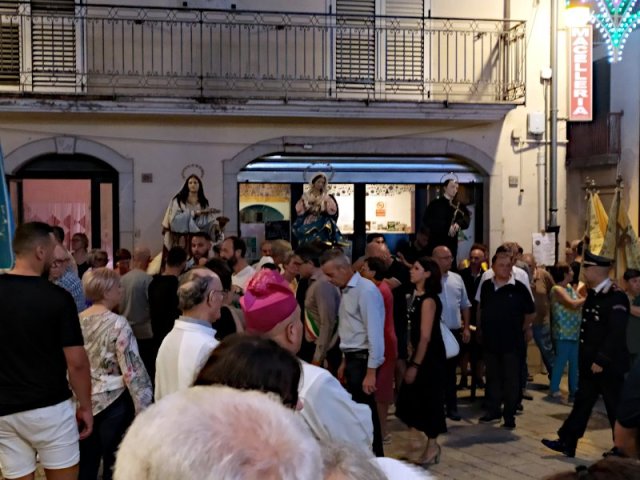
(200,294)
(337,267)
(218,433)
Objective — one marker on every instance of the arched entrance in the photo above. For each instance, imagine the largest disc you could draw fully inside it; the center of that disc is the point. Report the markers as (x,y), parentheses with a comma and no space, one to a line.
(76,183)
(368,169)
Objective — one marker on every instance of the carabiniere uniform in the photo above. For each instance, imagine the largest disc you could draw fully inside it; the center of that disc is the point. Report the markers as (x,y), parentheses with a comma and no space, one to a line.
(603,342)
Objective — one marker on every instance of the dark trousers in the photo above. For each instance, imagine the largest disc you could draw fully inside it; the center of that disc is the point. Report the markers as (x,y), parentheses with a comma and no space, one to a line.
(451,386)
(354,372)
(503,382)
(109,426)
(590,387)
(148,349)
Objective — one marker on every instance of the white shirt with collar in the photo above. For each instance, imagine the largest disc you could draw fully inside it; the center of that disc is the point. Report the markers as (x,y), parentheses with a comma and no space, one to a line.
(330,412)
(454,299)
(603,285)
(183,352)
(241,279)
(361,324)
(516,274)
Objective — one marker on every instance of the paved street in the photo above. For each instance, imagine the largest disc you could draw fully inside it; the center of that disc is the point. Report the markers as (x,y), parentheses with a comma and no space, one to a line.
(488,452)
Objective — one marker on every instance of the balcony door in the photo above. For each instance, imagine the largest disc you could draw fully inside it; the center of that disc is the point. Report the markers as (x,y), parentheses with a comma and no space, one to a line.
(380,47)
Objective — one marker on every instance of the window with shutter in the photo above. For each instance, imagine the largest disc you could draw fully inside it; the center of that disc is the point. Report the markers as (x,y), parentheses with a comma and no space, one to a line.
(404,55)
(9,44)
(355,44)
(53,43)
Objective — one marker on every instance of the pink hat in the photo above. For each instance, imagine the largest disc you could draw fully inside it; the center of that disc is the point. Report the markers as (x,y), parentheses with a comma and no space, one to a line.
(267,301)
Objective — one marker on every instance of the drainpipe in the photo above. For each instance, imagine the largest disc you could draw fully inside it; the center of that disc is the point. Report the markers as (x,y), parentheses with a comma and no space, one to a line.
(541,165)
(552,225)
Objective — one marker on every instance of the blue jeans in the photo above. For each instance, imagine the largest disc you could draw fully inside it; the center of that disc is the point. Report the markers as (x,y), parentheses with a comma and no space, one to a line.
(566,351)
(109,426)
(542,337)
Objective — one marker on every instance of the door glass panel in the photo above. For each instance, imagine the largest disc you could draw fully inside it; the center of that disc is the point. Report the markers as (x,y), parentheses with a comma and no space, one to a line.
(106,219)
(343,193)
(66,203)
(390,208)
(265,213)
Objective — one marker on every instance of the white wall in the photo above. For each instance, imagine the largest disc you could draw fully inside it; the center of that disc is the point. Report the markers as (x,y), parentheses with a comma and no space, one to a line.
(164,145)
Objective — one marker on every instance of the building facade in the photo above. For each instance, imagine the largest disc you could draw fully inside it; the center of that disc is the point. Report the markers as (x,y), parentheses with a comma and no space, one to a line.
(127,100)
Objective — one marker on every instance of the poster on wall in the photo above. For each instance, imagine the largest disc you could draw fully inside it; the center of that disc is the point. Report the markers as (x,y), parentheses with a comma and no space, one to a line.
(390,208)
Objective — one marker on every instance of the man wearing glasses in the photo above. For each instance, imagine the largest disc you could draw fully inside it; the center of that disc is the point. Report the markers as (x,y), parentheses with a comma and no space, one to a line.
(604,358)
(63,275)
(192,339)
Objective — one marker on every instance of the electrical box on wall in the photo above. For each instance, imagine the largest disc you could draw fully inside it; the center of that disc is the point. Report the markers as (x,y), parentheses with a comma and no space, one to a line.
(535,123)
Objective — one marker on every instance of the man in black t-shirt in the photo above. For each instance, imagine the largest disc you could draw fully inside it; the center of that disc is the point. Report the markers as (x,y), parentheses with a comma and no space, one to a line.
(506,310)
(163,295)
(41,342)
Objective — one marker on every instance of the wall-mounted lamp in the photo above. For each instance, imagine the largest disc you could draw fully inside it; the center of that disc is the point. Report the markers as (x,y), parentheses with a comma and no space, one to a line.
(577,13)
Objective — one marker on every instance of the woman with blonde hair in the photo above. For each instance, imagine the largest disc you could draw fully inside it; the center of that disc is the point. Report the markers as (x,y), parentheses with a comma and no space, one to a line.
(120,385)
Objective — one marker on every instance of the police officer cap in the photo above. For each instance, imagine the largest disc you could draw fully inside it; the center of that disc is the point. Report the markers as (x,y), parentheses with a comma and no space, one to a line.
(596,260)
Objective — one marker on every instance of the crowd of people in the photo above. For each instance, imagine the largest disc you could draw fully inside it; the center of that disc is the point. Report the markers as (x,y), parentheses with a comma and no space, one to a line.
(287,369)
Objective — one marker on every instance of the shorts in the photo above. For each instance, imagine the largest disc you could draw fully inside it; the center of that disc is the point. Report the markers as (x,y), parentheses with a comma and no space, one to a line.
(51,432)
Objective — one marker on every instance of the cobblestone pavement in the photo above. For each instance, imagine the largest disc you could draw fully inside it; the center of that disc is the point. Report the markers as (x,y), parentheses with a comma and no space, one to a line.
(489,452)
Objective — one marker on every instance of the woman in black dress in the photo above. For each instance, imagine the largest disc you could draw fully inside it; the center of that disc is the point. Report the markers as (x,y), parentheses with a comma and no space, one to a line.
(421,398)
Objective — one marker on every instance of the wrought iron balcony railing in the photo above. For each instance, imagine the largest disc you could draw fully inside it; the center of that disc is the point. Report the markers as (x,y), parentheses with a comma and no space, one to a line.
(109,50)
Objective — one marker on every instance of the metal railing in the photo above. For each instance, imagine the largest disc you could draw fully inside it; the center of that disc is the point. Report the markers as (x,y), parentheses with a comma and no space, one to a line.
(110,50)
(599,137)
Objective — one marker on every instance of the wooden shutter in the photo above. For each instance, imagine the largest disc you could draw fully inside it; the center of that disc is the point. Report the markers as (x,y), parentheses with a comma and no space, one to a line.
(53,43)
(355,44)
(9,44)
(404,55)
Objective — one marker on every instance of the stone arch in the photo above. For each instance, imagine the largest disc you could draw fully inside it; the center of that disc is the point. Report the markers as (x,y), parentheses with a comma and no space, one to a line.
(480,160)
(69,145)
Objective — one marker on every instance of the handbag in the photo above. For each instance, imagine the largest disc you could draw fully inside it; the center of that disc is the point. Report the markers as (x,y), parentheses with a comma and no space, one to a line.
(451,345)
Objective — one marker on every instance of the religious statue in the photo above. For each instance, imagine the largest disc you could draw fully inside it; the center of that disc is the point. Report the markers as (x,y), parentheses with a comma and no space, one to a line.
(444,218)
(317,212)
(189,212)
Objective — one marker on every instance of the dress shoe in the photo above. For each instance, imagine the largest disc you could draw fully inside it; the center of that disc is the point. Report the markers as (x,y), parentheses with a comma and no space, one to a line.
(490,417)
(434,460)
(560,446)
(453,415)
(509,424)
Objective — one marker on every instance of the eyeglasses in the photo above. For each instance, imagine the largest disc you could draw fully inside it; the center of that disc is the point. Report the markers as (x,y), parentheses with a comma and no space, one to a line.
(59,261)
(223,292)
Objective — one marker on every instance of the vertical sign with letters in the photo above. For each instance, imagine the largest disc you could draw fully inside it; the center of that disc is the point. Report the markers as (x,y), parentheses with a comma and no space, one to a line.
(581,74)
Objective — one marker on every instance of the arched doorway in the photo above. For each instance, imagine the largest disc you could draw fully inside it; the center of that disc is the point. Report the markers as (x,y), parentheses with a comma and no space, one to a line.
(78,192)
(382,194)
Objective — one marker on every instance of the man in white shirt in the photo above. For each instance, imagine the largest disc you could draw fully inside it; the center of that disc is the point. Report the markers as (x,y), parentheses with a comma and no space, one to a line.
(270,308)
(188,345)
(233,250)
(361,331)
(456,314)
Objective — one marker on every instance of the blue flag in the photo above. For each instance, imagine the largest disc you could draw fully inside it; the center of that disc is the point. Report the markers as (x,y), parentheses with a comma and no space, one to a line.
(6,221)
